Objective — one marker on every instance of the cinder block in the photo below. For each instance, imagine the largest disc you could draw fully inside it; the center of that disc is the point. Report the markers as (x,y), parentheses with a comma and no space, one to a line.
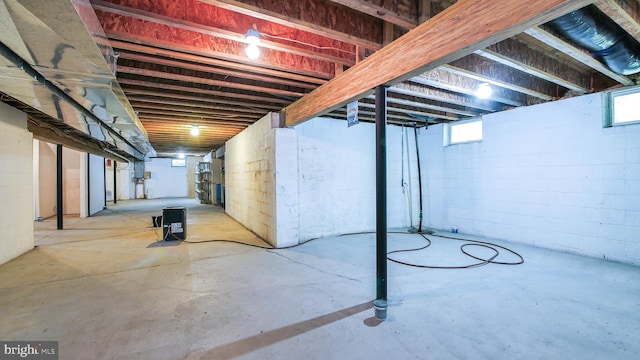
(632,251)
(622,202)
(632,155)
(633,218)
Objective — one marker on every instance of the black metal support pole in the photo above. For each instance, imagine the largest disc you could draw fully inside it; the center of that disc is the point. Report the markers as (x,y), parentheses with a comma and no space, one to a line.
(104,176)
(380,304)
(59,184)
(88,184)
(115,187)
(415,133)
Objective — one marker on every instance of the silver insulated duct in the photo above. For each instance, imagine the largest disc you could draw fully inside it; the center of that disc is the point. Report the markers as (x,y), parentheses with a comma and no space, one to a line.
(606,41)
(55,57)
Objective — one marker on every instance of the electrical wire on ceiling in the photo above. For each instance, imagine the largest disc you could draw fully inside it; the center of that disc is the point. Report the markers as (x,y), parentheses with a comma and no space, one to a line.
(307,44)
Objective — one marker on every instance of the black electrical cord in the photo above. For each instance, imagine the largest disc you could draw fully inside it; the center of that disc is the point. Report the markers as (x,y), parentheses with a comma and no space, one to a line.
(469,242)
(235,242)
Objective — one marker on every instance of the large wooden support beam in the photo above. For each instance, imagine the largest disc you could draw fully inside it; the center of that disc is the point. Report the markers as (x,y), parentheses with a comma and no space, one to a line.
(461,29)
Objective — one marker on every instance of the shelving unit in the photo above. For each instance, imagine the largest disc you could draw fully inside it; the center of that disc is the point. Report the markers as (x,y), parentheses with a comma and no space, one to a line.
(203,182)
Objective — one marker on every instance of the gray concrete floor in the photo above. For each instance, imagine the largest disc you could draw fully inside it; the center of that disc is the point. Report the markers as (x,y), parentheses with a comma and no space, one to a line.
(105,288)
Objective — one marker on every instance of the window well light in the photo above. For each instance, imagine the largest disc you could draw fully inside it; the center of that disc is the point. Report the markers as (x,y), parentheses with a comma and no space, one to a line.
(195,130)
(484,91)
(252,38)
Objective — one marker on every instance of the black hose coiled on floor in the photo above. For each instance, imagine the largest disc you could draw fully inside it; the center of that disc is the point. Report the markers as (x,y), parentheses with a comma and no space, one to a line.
(488,245)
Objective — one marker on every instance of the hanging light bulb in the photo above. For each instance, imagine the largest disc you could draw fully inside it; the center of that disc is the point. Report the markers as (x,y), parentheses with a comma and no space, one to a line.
(195,130)
(253,52)
(252,37)
(484,91)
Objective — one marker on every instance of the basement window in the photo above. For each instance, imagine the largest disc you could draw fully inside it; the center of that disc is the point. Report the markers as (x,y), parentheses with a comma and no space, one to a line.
(464,132)
(623,107)
(178,162)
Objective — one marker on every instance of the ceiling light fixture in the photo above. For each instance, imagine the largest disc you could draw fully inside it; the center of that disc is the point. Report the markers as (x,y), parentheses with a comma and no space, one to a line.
(252,38)
(484,91)
(195,130)
(180,155)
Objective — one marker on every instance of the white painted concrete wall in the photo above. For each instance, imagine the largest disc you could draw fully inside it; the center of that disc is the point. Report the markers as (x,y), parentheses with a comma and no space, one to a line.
(337,178)
(124,180)
(317,179)
(547,175)
(96,184)
(35,150)
(286,187)
(46,163)
(46,179)
(16,184)
(109,180)
(249,172)
(71,177)
(166,181)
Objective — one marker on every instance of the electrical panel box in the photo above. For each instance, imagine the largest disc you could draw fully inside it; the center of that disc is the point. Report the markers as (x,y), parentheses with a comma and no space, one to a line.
(174,223)
(138,169)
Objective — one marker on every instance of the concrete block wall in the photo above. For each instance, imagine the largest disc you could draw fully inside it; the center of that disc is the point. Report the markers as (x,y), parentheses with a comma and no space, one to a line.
(166,180)
(96,184)
(71,177)
(290,185)
(337,178)
(16,184)
(548,175)
(251,175)
(286,187)
(45,166)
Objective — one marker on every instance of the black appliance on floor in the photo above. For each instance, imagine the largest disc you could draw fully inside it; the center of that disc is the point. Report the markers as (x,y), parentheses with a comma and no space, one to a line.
(174,223)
